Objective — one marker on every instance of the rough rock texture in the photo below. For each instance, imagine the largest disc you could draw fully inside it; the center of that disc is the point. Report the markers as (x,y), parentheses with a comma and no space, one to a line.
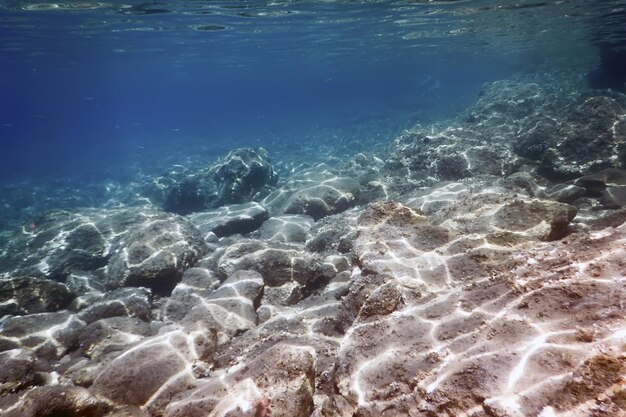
(152,372)
(18,371)
(424,158)
(288,228)
(243,175)
(49,335)
(280,382)
(58,400)
(32,295)
(196,284)
(155,254)
(130,302)
(316,192)
(230,309)
(230,220)
(329,197)
(498,292)
(277,263)
(592,136)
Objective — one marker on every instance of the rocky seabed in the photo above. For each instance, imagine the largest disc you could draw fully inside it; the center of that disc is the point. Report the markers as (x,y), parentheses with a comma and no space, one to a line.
(475,269)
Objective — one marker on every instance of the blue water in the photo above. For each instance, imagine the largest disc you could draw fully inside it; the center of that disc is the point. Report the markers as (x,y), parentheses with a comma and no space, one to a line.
(102,92)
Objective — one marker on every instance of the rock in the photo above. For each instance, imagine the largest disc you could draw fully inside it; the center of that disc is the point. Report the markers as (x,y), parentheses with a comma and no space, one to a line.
(153,371)
(58,245)
(107,338)
(229,220)
(288,228)
(280,382)
(58,400)
(329,197)
(230,309)
(197,284)
(243,175)
(54,245)
(155,254)
(131,302)
(25,295)
(277,263)
(534,138)
(395,240)
(507,219)
(49,335)
(334,233)
(592,137)
(596,183)
(18,371)
(565,193)
(546,220)
(431,200)
(527,183)
(614,197)
(421,159)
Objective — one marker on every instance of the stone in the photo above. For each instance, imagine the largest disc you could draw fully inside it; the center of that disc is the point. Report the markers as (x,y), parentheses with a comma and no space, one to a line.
(565,193)
(230,309)
(18,371)
(277,263)
(53,245)
(592,137)
(280,382)
(155,254)
(534,138)
(422,158)
(243,175)
(131,302)
(614,196)
(26,295)
(49,335)
(328,197)
(59,400)
(229,220)
(153,371)
(546,220)
(107,338)
(62,244)
(197,284)
(595,184)
(334,233)
(287,228)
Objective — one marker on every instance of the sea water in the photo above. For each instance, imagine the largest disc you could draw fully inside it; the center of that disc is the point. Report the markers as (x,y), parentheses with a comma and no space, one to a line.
(105,88)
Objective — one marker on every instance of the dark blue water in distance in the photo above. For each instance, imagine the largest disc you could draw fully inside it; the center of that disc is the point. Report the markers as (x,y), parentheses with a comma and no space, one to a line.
(88,88)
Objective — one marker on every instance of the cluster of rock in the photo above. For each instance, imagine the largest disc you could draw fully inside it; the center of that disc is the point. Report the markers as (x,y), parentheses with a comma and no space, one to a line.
(461,275)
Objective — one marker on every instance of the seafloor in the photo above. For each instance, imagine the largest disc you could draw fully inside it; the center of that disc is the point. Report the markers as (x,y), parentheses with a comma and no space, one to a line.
(471,268)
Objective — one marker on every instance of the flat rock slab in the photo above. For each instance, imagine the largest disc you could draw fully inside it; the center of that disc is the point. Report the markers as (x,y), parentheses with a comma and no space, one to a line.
(287,228)
(229,220)
(151,372)
(49,335)
(280,382)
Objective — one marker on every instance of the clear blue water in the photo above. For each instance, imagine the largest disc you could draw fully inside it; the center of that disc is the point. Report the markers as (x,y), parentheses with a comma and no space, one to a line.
(100,89)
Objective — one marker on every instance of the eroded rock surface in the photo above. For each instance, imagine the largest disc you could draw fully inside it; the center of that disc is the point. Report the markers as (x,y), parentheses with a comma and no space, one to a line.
(477,269)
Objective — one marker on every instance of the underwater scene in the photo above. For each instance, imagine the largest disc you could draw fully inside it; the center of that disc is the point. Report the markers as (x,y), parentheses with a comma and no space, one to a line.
(312,208)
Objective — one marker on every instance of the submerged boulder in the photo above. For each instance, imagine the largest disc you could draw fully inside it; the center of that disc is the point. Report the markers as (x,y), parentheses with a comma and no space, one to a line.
(244,175)
(424,158)
(155,254)
(230,220)
(27,295)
